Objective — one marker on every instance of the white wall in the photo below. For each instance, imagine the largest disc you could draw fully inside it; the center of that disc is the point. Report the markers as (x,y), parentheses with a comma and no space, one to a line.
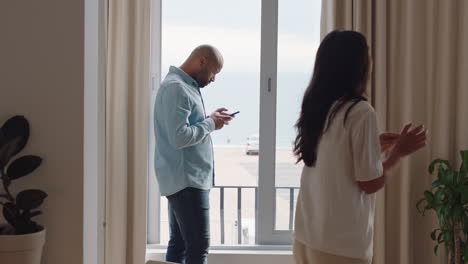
(42,77)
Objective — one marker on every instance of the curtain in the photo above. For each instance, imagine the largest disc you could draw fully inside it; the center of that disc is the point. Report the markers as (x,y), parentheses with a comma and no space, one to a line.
(420,75)
(127,126)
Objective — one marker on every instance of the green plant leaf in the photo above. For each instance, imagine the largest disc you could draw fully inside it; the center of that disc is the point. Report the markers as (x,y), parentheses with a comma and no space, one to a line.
(439,196)
(457,178)
(17,126)
(449,208)
(434,234)
(436,184)
(25,225)
(447,176)
(35,213)
(428,196)
(439,212)
(440,237)
(440,162)
(457,213)
(418,206)
(23,166)
(442,221)
(7,151)
(464,194)
(3,140)
(427,208)
(10,213)
(465,251)
(30,199)
(441,175)
(448,235)
(464,165)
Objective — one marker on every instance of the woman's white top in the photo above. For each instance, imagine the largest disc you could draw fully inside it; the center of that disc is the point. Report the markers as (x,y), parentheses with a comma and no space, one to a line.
(333,214)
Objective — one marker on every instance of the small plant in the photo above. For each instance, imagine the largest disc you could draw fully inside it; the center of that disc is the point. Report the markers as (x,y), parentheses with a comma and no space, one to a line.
(448,197)
(18,211)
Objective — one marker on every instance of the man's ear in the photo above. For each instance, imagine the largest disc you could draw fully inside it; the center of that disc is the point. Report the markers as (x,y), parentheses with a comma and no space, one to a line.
(203,60)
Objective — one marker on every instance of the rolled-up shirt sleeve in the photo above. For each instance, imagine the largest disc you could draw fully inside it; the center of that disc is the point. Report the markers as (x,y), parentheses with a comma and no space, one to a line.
(177,108)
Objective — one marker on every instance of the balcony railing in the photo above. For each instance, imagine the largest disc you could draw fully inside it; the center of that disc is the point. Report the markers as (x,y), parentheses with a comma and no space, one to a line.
(292,191)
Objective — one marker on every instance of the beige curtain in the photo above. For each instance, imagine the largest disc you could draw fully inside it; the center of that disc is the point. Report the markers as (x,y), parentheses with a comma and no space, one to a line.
(420,74)
(127,119)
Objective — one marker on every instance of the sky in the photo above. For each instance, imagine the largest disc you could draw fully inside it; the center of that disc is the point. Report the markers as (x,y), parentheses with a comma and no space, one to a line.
(233,26)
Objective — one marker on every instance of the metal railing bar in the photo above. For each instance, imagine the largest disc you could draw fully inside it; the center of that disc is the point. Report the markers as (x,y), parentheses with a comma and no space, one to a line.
(221,207)
(239,215)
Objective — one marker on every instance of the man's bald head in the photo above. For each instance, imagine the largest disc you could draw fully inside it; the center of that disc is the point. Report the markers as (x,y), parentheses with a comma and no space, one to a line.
(203,64)
(211,53)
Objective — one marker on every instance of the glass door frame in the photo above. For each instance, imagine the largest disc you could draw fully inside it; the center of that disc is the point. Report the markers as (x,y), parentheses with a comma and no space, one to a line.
(266,209)
(266,213)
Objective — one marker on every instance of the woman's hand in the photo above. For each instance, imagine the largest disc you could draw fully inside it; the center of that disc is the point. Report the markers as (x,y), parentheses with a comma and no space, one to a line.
(404,144)
(410,140)
(388,140)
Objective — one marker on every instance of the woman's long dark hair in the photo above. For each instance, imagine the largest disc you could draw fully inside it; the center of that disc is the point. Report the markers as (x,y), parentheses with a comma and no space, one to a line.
(340,75)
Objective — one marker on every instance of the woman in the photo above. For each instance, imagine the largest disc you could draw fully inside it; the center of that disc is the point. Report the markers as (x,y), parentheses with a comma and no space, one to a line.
(339,144)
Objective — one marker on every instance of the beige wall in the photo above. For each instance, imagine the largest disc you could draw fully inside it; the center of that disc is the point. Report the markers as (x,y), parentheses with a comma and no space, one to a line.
(41,77)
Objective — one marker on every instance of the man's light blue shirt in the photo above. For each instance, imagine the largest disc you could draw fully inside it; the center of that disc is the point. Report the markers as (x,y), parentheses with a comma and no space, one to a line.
(184,151)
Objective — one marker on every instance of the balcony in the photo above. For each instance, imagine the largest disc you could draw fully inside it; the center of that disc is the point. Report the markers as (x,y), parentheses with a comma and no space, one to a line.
(234,212)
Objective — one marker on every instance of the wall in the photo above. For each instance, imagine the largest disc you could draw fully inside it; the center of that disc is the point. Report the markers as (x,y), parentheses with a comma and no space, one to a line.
(42,77)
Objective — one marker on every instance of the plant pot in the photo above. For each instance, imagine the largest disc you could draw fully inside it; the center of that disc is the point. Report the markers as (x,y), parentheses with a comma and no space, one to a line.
(22,249)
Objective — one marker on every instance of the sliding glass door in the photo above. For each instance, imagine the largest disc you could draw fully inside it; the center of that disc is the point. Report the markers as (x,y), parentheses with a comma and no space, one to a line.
(268,48)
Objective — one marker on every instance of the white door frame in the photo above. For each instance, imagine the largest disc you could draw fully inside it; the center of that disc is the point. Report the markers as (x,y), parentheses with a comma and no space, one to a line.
(266,213)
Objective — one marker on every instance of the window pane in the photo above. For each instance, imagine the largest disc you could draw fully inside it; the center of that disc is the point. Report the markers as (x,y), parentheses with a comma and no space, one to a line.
(234,28)
(298,39)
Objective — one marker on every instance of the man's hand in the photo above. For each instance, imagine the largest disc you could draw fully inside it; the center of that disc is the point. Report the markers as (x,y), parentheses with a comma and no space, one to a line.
(410,140)
(220,118)
(388,140)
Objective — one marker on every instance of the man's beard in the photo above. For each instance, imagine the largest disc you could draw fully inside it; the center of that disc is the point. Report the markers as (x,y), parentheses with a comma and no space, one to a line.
(202,84)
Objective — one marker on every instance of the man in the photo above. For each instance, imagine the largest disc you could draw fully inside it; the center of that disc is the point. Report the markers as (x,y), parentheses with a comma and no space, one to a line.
(184,152)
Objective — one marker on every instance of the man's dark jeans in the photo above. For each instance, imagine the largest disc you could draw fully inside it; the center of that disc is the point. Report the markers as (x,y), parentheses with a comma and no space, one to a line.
(189,212)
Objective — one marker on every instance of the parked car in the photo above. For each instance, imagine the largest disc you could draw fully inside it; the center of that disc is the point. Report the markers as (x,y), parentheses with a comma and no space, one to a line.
(252,145)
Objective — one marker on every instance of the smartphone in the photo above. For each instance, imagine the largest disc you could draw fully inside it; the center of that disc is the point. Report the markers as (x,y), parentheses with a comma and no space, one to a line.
(235,113)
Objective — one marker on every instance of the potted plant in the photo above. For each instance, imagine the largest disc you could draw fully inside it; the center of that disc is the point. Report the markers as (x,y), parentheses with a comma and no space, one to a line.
(448,198)
(21,239)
